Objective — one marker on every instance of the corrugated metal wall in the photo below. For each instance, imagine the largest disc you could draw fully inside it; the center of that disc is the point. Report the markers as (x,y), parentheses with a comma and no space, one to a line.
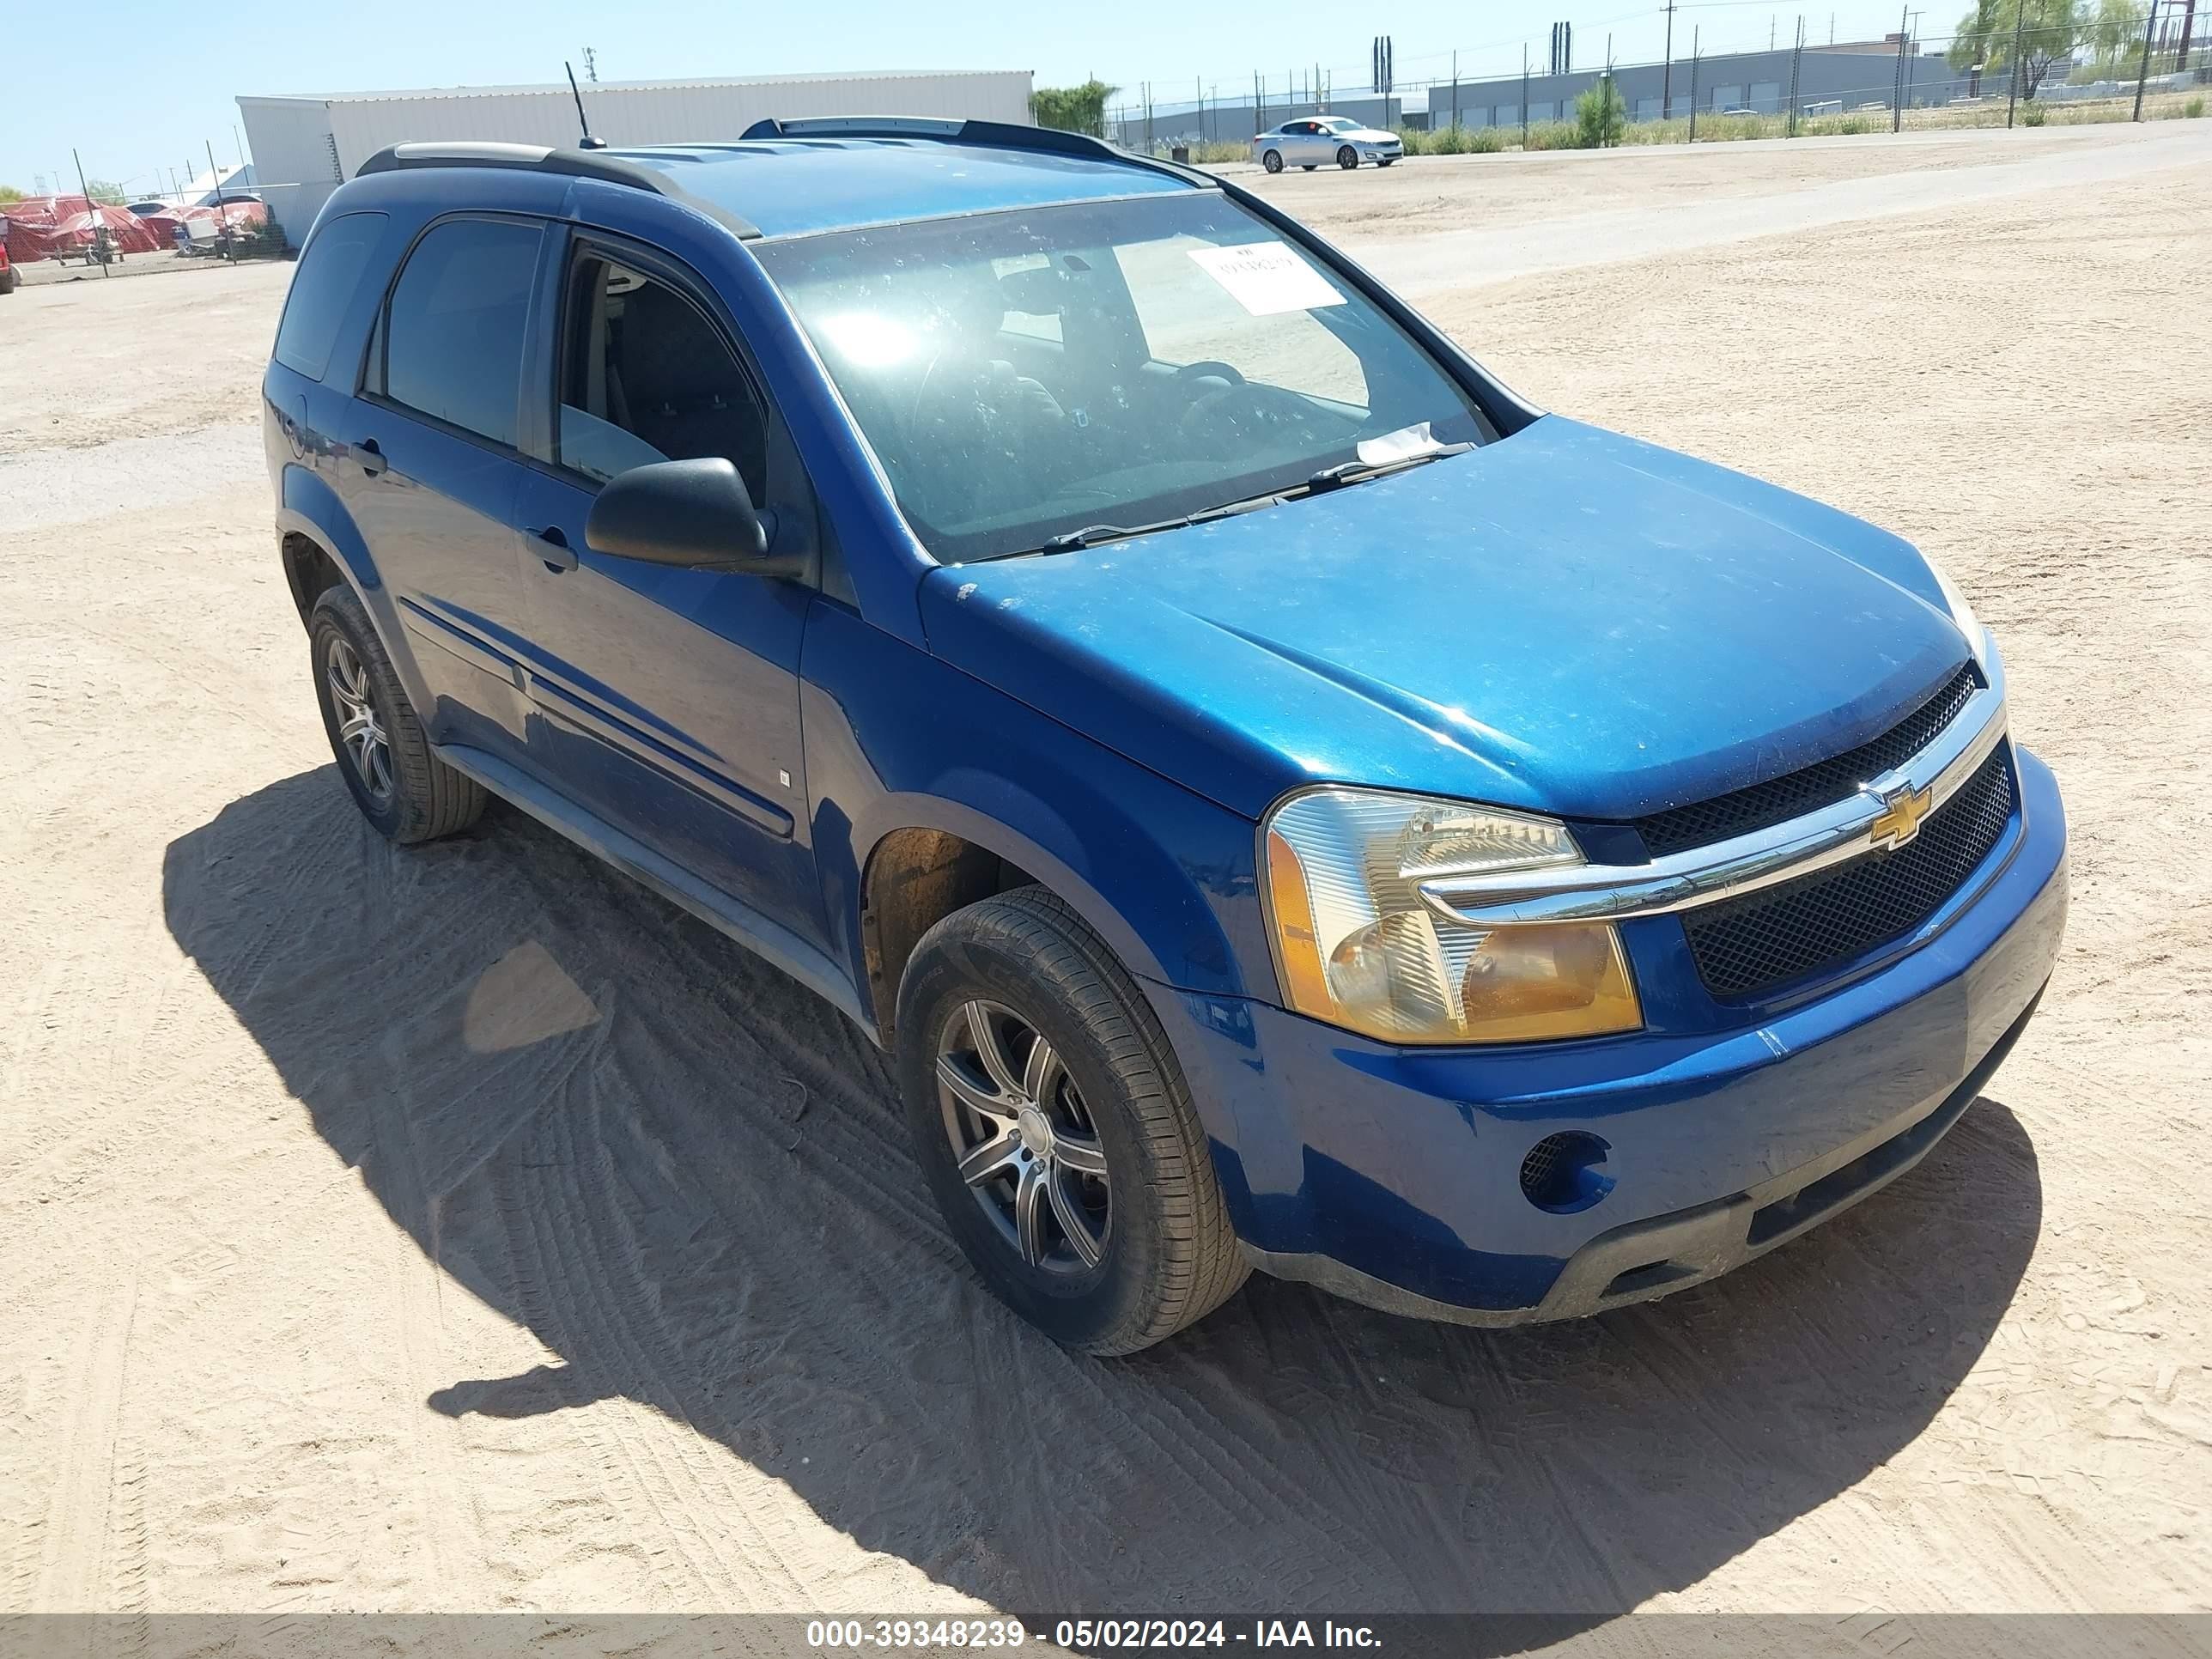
(292,138)
(666,115)
(294,156)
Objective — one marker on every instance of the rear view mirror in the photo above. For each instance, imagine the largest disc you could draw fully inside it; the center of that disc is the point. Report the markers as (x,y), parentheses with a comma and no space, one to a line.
(1038,291)
(696,513)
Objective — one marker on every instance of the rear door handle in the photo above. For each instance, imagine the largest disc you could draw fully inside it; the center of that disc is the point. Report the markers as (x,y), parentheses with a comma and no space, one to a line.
(371,458)
(553,548)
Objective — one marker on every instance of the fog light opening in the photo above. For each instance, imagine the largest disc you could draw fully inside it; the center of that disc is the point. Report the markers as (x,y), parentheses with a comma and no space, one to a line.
(1565,1173)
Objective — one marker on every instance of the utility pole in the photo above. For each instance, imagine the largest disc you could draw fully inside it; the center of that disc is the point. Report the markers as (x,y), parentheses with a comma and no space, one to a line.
(1696,40)
(1796,56)
(98,226)
(591,65)
(1524,96)
(222,207)
(1897,86)
(1667,76)
(2012,95)
(2143,73)
(1455,92)
(1605,99)
(1913,60)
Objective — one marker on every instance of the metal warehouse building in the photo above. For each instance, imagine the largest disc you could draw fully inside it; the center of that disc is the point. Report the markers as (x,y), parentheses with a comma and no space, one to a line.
(1850,77)
(305,147)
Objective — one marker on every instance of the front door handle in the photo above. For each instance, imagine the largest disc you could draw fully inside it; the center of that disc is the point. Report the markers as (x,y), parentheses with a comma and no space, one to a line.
(370,454)
(553,548)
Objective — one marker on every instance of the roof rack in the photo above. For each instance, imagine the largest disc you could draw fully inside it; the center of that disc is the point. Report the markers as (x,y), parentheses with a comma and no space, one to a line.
(599,164)
(997,135)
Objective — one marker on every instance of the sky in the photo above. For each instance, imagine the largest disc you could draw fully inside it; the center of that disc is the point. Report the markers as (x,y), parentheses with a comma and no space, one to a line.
(153,85)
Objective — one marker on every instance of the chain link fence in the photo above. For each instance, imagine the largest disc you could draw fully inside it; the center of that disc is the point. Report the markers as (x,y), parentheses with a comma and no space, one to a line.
(2116,64)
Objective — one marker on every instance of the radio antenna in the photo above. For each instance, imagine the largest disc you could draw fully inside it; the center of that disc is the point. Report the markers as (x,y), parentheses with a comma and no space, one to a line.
(583,120)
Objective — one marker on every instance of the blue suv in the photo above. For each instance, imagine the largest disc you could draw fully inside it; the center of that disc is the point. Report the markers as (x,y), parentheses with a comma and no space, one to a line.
(1279,799)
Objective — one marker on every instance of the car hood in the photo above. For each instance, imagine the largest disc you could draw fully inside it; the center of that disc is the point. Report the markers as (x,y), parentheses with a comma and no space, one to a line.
(1566,620)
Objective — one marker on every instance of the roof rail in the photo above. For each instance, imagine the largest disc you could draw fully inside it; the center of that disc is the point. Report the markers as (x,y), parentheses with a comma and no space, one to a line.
(599,164)
(997,135)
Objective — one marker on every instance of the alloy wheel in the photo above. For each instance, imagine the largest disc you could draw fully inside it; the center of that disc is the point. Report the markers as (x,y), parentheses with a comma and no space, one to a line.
(360,728)
(1022,1138)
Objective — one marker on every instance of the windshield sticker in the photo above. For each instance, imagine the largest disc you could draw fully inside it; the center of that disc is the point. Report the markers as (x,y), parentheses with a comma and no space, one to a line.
(1267,278)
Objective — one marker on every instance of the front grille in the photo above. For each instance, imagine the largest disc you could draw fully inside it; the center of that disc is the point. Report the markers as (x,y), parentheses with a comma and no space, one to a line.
(1779,799)
(1746,946)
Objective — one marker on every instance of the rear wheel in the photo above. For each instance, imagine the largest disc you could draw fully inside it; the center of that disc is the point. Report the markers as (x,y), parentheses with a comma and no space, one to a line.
(1273,160)
(1347,158)
(401,787)
(1055,1128)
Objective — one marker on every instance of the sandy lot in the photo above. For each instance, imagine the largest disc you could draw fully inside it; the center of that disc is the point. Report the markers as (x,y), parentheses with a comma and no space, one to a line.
(464,1229)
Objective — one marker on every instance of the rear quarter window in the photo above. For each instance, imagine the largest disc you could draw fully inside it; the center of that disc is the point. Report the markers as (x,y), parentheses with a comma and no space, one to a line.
(322,288)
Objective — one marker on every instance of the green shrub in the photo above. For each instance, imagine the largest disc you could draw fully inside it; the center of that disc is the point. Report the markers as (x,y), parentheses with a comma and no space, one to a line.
(2194,109)
(1072,109)
(1553,135)
(2036,116)
(1455,141)
(1600,113)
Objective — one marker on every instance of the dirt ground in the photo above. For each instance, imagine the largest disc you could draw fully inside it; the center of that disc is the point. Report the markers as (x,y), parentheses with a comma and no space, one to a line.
(464,1229)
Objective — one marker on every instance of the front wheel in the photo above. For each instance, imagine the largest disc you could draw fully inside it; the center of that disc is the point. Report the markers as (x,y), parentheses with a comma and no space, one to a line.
(401,787)
(1055,1129)
(1347,158)
(1273,160)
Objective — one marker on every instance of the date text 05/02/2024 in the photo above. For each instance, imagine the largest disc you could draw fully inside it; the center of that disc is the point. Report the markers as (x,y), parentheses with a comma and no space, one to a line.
(1084,1635)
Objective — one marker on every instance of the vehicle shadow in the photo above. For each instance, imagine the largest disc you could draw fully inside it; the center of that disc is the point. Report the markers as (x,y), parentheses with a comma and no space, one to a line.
(686,1177)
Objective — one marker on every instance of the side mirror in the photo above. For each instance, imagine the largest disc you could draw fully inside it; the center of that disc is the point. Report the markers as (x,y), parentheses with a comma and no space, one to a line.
(695,514)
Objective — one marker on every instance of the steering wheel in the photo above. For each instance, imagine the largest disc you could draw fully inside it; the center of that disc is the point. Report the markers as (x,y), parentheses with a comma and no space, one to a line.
(1228,416)
(1214,366)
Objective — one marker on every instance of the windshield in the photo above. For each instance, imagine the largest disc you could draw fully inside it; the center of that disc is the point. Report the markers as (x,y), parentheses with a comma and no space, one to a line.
(1022,375)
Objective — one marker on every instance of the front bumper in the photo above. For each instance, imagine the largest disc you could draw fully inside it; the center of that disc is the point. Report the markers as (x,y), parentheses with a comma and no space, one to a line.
(1392,1175)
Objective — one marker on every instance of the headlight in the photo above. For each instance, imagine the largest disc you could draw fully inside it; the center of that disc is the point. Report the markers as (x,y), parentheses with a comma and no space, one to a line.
(1962,614)
(1358,948)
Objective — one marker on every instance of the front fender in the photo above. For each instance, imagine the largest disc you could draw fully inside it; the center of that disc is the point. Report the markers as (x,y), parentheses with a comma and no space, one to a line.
(897,739)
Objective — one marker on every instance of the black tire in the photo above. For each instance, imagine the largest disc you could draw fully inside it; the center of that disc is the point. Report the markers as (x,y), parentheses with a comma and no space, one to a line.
(423,797)
(1168,1256)
(1273,160)
(1310,166)
(7,280)
(1347,158)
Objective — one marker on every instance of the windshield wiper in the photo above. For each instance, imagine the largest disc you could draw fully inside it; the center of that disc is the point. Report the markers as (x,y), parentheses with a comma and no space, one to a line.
(1092,535)
(1329,477)
(1352,473)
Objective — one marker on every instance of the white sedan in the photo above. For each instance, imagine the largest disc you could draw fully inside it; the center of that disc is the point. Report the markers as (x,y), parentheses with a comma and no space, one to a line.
(1312,140)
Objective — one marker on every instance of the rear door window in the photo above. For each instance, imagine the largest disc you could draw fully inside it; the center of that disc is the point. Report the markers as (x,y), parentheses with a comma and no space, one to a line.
(328,273)
(452,334)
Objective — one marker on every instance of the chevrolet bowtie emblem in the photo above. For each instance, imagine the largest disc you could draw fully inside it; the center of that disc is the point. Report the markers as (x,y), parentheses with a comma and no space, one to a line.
(1902,811)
